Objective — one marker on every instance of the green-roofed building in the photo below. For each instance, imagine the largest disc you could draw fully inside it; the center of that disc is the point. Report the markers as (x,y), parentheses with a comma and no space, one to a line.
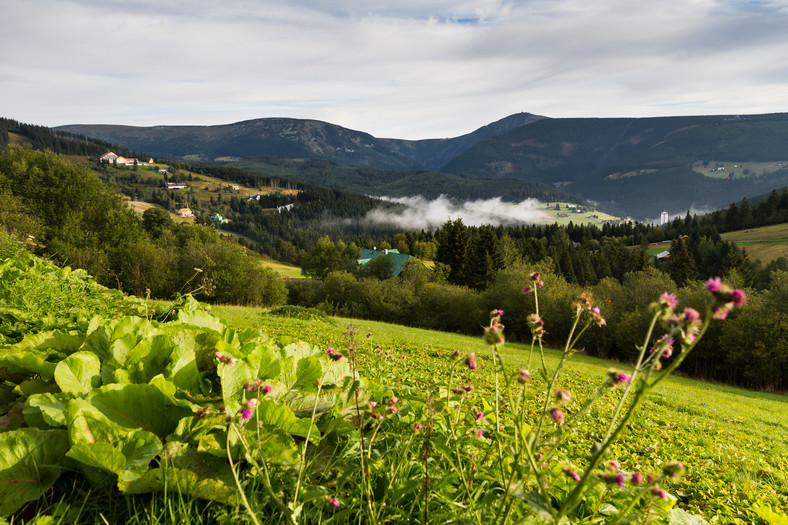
(397,260)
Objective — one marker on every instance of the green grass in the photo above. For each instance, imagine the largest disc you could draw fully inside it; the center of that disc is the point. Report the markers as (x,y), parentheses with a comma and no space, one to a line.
(283,269)
(736,170)
(764,244)
(551,215)
(733,441)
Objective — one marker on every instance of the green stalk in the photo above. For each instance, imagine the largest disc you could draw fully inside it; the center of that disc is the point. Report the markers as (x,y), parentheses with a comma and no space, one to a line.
(308,434)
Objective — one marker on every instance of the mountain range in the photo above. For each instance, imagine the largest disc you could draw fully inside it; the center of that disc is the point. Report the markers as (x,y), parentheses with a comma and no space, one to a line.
(630,166)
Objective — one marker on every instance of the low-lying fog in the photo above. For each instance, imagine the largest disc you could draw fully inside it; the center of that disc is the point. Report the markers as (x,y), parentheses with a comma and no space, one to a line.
(430,214)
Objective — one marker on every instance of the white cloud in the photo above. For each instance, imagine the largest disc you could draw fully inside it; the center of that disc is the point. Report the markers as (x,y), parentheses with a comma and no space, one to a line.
(394,68)
(421,213)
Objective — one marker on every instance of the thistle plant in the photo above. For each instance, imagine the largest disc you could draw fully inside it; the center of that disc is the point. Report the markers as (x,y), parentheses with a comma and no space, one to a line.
(537,444)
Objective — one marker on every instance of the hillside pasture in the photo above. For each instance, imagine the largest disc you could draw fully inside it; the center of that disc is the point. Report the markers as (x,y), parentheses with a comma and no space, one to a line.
(736,170)
(764,244)
(734,442)
(567,212)
(287,271)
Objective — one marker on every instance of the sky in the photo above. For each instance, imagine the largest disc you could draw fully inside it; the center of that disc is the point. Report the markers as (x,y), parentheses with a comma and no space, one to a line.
(409,69)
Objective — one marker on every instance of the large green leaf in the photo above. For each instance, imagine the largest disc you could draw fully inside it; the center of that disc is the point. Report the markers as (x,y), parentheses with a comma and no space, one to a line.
(182,368)
(98,441)
(29,465)
(78,373)
(145,407)
(187,471)
(46,408)
(271,413)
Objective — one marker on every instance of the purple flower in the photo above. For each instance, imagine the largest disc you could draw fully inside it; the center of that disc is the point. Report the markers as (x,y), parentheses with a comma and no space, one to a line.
(372,404)
(738,297)
(713,285)
(571,473)
(691,314)
(391,410)
(330,350)
(267,389)
(668,300)
(615,464)
(251,403)
(657,491)
(556,415)
(526,289)
(562,395)
(479,416)
(637,478)
(479,433)
(623,378)
(246,415)
(620,480)
(392,400)
(523,376)
(535,276)
(418,427)
(470,360)
(334,503)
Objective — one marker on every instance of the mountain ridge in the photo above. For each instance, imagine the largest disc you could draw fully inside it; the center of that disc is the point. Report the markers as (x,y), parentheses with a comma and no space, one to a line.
(635,166)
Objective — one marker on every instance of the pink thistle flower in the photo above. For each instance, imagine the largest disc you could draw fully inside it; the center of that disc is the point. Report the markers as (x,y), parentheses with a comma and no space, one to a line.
(539,283)
(392,400)
(479,416)
(334,503)
(526,289)
(246,415)
(267,389)
(556,415)
(623,378)
(456,354)
(218,355)
(468,388)
(251,403)
(662,493)
(535,276)
(714,284)
(668,300)
(330,350)
(620,480)
(391,410)
(571,473)
(523,376)
(615,464)
(719,313)
(372,404)
(738,297)
(691,314)
(418,427)
(636,478)
(479,433)
(562,395)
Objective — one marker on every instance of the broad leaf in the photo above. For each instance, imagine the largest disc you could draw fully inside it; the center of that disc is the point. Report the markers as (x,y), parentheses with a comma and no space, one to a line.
(139,406)
(272,414)
(28,465)
(46,408)
(187,471)
(78,373)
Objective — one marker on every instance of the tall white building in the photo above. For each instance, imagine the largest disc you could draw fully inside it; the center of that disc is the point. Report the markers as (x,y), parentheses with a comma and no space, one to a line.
(664,218)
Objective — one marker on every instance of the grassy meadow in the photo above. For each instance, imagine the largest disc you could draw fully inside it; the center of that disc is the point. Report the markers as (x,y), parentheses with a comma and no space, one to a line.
(734,442)
(125,410)
(764,243)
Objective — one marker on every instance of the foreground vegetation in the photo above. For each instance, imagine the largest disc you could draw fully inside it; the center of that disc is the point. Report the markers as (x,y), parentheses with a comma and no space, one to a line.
(107,397)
